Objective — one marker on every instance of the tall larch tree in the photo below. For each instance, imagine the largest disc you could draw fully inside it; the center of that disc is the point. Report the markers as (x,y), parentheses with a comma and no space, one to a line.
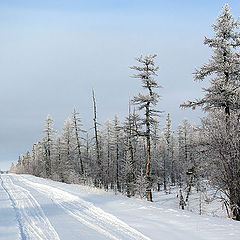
(146,72)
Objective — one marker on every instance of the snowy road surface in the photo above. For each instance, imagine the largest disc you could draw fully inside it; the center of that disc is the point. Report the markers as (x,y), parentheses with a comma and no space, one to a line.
(35,208)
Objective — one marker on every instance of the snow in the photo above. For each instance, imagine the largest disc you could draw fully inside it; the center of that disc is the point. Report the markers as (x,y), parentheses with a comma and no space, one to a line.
(8,221)
(32,222)
(36,208)
(210,204)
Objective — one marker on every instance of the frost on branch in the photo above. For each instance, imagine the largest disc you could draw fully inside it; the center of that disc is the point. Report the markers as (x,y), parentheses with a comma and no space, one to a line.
(223,66)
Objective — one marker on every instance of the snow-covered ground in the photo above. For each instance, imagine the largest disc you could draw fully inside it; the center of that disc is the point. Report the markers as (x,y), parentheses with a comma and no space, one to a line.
(206,202)
(36,208)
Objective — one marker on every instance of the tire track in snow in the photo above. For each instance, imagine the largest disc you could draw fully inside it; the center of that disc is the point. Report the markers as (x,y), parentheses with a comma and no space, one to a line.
(33,223)
(88,214)
(18,218)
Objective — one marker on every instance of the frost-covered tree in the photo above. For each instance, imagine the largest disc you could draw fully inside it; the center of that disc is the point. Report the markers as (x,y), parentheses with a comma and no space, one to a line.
(156,152)
(108,155)
(34,160)
(38,155)
(20,165)
(223,67)
(12,168)
(163,162)
(169,160)
(222,98)
(141,184)
(27,162)
(146,72)
(117,144)
(77,124)
(58,164)
(67,152)
(183,151)
(223,157)
(128,175)
(48,143)
(130,128)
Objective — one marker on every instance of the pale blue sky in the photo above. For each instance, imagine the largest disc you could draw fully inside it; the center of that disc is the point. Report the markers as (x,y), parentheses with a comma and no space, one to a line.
(52,52)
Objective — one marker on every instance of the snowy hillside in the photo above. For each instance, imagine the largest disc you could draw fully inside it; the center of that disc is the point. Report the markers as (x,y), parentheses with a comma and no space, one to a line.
(35,208)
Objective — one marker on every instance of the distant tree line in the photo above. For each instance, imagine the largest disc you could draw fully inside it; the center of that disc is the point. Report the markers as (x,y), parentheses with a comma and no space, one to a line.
(136,157)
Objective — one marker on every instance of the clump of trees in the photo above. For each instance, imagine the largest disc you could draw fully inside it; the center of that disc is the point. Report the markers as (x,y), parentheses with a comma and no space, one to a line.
(222,103)
(136,157)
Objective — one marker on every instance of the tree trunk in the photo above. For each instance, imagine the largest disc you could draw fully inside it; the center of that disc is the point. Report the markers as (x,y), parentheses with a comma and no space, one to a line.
(98,181)
(148,156)
(235,204)
(80,162)
(164,175)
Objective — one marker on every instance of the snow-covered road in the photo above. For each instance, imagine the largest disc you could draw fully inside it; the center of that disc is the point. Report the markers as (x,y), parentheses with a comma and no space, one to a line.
(32,222)
(35,208)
